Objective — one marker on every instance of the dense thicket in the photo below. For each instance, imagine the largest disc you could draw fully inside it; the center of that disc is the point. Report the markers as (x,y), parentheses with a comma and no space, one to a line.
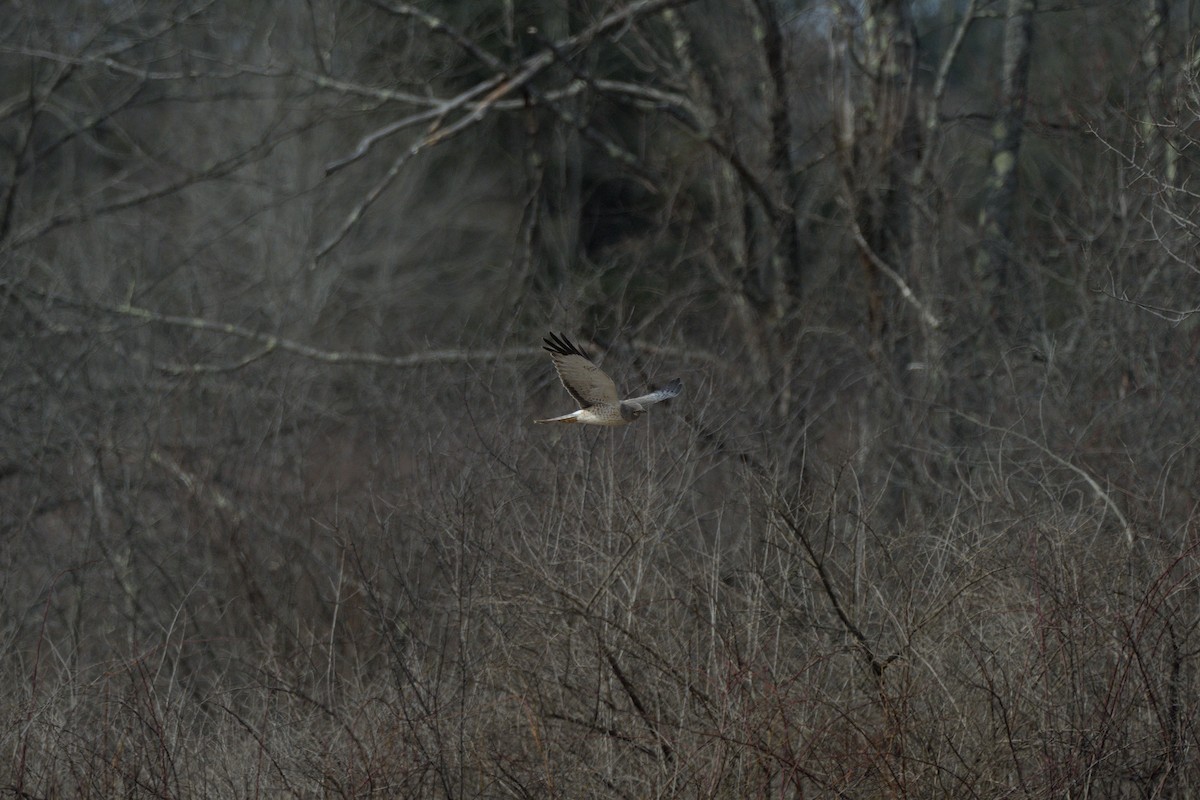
(273,280)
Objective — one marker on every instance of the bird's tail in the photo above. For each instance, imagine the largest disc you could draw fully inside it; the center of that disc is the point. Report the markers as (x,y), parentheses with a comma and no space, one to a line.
(566,418)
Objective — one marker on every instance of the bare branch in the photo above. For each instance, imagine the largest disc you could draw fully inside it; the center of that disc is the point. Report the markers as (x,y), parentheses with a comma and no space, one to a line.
(905,291)
(271,342)
(505,82)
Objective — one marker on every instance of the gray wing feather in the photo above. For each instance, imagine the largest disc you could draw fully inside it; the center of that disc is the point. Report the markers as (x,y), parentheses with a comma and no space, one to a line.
(672,389)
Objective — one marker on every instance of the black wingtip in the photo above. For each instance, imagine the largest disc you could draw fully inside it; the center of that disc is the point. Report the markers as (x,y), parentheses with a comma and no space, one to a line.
(560,344)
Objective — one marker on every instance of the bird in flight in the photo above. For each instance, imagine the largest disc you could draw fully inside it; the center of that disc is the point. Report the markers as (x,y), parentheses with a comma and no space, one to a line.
(594,391)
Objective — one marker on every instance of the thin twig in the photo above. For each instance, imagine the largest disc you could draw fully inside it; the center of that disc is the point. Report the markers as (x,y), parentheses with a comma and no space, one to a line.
(1104,496)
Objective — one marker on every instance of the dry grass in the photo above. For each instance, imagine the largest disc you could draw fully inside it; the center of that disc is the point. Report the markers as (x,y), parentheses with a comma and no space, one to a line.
(620,613)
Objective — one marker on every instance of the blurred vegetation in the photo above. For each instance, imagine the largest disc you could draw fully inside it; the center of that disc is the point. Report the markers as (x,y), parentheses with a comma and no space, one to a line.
(273,282)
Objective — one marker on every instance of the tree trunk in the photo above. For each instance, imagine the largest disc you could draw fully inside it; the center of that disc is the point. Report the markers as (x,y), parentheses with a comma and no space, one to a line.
(1157,120)
(993,264)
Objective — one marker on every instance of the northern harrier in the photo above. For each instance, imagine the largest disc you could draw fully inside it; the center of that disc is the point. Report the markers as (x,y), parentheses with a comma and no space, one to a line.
(594,391)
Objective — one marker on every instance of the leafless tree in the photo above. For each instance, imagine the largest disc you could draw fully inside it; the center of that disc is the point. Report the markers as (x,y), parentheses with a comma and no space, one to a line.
(273,278)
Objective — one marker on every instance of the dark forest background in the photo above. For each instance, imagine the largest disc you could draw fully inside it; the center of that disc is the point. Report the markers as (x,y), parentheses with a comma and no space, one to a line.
(274,520)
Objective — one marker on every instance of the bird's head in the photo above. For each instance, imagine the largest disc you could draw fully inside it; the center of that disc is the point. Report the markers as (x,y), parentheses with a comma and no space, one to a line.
(631,411)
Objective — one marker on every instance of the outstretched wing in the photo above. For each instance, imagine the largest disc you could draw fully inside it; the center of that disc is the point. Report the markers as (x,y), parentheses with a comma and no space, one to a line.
(586,382)
(672,389)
